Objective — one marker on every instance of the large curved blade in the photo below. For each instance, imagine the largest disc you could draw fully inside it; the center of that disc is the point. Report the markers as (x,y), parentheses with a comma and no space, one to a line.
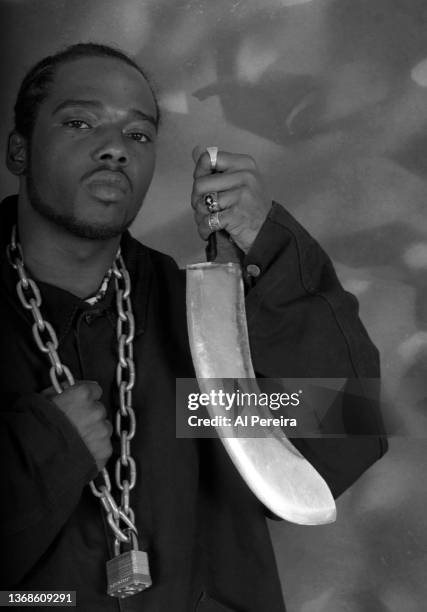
(273,468)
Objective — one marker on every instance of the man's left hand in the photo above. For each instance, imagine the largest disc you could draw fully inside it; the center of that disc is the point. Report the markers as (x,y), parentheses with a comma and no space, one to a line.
(243,203)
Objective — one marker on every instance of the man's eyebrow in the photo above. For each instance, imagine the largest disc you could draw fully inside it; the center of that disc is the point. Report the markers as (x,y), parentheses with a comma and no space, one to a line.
(144,116)
(94,104)
(74,102)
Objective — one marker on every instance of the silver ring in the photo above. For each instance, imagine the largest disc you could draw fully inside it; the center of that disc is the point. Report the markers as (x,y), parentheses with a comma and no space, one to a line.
(214,222)
(213,154)
(211,201)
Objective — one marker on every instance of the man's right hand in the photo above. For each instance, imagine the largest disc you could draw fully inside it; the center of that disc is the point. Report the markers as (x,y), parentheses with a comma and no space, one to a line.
(80,404)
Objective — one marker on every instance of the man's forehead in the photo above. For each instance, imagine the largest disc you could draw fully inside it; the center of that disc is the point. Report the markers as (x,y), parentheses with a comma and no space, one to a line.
(105,79)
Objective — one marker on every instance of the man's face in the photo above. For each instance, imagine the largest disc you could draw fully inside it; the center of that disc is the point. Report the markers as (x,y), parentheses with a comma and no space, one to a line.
(92,151)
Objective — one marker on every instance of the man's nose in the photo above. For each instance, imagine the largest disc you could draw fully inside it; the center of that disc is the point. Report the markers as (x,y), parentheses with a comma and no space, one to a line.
(113,150)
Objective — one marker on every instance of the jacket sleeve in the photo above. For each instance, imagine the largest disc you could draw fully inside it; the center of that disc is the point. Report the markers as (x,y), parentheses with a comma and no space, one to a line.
(44,465)
(302,324)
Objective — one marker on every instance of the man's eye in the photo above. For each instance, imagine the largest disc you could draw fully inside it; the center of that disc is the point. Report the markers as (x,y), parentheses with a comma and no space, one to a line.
(78,124)
(138,136)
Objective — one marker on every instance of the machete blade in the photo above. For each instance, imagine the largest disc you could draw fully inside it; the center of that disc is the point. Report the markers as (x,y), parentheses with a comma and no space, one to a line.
(282,479)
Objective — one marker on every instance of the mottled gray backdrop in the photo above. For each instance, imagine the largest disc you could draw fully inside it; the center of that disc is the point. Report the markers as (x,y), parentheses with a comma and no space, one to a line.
(330,96)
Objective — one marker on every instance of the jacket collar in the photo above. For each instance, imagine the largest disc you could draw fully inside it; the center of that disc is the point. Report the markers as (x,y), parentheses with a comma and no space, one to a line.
(60,307)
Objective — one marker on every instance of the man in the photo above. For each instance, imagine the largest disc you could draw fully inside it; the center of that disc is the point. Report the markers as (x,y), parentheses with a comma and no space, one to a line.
(83,148)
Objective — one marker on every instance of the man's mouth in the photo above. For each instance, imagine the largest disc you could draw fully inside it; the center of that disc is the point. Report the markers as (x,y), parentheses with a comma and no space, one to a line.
(108,185)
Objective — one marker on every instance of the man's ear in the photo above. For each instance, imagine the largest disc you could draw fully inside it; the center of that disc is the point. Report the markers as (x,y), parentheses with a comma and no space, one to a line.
(16,159)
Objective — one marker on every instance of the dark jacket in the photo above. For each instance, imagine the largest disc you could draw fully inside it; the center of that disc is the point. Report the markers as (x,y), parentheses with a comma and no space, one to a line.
(206,532)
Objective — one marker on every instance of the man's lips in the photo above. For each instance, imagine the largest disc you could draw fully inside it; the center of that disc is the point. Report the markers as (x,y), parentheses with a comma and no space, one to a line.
(108,185)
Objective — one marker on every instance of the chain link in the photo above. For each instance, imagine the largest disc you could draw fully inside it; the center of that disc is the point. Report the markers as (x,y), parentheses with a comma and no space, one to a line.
(61,377)
(125,378)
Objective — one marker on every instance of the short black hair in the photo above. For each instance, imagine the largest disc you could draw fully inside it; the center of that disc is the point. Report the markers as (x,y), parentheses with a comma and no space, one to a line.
(35,86)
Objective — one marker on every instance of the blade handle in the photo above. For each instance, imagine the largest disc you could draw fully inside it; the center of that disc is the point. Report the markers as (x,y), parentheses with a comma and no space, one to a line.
(221,249)
(211,250)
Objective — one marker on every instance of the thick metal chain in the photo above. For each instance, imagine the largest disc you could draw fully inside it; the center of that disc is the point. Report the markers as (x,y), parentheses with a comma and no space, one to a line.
(61,377)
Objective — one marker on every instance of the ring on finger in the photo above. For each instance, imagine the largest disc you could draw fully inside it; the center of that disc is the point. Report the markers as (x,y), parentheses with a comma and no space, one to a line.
(211,201)
(213,154)
(214,222)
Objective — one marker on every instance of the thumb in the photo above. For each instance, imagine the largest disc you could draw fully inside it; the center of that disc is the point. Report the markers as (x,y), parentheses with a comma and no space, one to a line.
(197,152)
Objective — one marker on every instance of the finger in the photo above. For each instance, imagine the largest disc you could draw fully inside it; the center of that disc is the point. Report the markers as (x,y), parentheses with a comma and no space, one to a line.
(197,152)
(225,199)
(221,182)
(95,391)
(226,162)
(205,230)
(200,151)
(99,411)
(109,428)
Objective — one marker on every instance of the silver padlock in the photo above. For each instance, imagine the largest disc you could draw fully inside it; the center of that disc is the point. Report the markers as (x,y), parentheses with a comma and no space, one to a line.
(128,573)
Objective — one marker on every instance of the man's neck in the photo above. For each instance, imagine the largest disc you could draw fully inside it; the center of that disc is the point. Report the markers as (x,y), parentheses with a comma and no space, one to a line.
(55,256)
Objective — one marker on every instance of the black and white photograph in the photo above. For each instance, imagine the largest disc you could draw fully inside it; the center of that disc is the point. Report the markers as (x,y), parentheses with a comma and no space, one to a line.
(213,305)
